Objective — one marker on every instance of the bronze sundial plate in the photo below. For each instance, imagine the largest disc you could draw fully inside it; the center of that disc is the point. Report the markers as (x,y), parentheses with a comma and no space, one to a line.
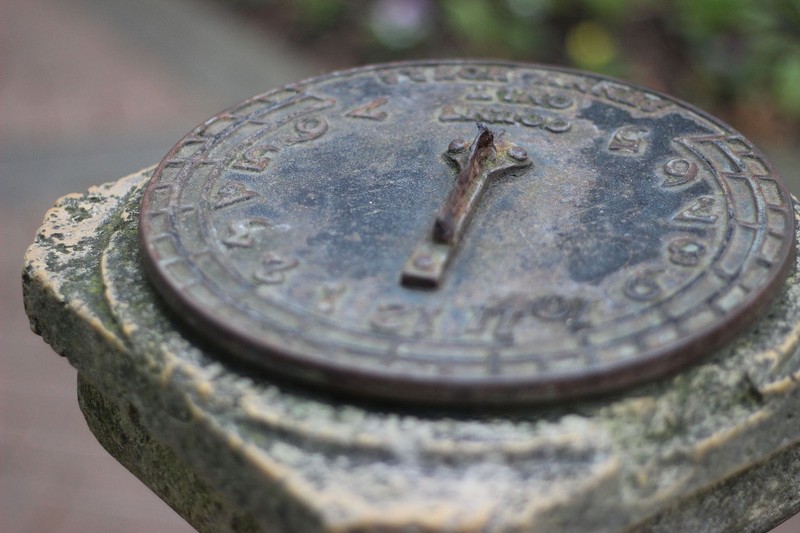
(358,231)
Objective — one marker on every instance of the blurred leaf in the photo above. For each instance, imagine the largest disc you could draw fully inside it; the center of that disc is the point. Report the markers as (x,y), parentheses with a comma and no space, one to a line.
(787,84)
(399,24)
(525,39)
(528,8)
(702,17)
(612,9)
(319,13)
(720,54)
(590,45)
(473,20)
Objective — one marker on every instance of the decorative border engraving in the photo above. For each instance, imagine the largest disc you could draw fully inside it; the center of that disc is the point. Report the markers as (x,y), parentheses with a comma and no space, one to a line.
(760,223)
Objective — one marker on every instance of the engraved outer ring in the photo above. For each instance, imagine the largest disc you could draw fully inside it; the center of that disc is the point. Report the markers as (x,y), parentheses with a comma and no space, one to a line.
(248,273)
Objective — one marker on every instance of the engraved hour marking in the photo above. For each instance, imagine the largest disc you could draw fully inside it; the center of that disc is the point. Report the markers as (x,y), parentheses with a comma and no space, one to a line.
(255,159)
(329,297)
(504,314)
(400,319)
(242,233)
(273,268)
(702,210)
(368,110)
(686,252)
(679,171)
(231,193)
(485,159)
(628,140)
(643,287)
(480,93)
(308,128)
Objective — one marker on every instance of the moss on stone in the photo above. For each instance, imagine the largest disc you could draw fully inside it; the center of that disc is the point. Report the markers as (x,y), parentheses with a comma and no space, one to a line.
(235,451)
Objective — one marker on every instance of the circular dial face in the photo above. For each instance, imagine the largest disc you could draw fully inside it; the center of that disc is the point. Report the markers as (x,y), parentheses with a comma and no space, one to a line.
(359,231)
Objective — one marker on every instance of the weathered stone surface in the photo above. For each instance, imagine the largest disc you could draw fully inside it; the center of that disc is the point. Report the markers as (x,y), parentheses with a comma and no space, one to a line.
(688,451)
(123,436)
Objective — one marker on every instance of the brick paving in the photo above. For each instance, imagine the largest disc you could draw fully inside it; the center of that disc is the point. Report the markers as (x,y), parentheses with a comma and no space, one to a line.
(89,91)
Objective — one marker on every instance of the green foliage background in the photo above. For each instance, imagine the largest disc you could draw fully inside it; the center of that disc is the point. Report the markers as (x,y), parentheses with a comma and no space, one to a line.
(736,58)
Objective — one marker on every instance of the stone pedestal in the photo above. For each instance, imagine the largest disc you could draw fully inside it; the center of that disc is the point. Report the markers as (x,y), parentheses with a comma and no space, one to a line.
(714,448)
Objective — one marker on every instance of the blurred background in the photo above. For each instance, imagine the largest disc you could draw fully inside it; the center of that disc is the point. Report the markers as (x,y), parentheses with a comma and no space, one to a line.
(91,90)
(736,58)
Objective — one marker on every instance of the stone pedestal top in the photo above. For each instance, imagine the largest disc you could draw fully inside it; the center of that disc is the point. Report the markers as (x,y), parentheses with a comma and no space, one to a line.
(713,448)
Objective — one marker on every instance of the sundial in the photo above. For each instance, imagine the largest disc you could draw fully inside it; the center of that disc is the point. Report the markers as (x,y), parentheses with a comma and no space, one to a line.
(466,233)
(440,296)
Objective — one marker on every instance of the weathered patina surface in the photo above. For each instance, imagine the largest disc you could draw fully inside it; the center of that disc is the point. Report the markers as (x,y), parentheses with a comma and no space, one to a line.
(595,235)
(278,457)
